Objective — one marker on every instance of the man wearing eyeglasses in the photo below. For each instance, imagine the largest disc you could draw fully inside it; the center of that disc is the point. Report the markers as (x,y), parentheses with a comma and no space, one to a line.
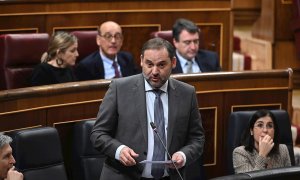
(108,62)
(191,59)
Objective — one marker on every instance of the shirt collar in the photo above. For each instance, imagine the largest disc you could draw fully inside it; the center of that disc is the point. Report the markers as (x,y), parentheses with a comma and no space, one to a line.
(182,60)
(164,87)
(107,60)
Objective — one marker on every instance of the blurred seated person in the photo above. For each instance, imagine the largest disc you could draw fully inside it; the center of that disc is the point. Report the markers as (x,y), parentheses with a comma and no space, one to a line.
(191,59)
(57,61)
(260,145)
(108,62)
(7,161)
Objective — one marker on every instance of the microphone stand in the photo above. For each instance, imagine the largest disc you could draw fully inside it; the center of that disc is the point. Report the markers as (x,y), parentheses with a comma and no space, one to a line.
(160,139)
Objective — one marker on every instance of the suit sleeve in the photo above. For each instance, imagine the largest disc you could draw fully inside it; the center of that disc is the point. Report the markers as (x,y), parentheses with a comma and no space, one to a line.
(196,138)
(102,135)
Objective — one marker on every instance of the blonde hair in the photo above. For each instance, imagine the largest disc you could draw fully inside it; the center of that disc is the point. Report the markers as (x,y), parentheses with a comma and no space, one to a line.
(59,41)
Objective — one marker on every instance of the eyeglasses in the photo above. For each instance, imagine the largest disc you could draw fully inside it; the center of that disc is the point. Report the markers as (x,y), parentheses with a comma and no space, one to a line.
(109,37)
(261,126)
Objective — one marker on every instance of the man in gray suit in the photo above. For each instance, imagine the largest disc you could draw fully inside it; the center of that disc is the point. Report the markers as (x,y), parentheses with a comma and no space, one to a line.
(122,130)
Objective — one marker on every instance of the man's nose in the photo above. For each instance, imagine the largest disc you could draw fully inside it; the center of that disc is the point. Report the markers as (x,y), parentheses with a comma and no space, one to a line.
(155,70)
(193,45)
(12,160)
(113,39)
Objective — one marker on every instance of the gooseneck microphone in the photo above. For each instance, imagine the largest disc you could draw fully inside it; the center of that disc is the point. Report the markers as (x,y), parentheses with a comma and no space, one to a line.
(160,139)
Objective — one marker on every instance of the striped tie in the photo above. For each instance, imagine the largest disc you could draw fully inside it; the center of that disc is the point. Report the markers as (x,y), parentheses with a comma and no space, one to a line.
(159,151)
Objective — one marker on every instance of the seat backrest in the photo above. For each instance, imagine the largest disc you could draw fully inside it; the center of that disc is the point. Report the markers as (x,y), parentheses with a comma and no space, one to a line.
(167,35)
(86,43)
(238,122)
(19,53)
(38,154)
(87,161)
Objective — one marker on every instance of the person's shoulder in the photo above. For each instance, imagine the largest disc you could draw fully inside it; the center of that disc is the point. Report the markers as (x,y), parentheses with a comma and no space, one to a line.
(180,84)
(90,58)
(204,52)
(128,79)
(282,147)
(126,82)
(239,149)
(125,54)
(42,67)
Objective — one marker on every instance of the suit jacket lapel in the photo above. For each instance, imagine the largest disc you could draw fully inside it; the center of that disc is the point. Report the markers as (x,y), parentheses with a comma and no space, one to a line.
(100,67)
(173,109)
(198,60)
(140,105)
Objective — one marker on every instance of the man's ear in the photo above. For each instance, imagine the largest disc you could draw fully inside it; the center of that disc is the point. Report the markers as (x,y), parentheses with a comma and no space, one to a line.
(174,61)
(175,43)
(141,63)
(98,40)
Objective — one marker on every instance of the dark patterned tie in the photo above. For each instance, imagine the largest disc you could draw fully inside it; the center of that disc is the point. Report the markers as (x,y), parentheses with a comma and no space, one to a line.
(117,73)
(159,151)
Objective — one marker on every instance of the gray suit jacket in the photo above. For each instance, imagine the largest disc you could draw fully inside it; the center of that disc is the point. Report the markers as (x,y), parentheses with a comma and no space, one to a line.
(122,119)
(245,161)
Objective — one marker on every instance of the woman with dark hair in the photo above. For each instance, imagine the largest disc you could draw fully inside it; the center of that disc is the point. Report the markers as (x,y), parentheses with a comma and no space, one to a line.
(56,63)
(260,148)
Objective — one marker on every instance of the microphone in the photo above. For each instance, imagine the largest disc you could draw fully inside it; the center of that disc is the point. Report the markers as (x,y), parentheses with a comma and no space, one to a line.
(165,147)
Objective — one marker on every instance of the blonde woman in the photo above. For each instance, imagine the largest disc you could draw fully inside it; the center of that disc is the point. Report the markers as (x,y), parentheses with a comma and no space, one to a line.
(57,61)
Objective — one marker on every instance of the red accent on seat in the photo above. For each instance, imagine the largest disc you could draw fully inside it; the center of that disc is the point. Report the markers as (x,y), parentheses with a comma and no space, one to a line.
(86,43)
(19,53)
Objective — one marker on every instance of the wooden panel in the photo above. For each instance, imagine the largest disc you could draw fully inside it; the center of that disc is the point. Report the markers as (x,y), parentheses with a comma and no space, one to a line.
(218,94)
(209,118)
(285,55)
(245,12)
(138,19)
(11,121)
(134,38)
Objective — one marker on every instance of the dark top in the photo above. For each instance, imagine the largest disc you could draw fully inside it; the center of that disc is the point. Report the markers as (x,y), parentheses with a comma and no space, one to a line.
(208,61)
(92,68)
(45,74)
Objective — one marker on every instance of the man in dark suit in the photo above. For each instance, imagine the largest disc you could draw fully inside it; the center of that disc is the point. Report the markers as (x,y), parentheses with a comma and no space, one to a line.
(109,62)
(122,130)
(191,59)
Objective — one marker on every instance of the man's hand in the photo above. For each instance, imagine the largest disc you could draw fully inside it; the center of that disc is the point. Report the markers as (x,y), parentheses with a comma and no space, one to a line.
(127,156)
(265,145)
(178,159)
(12,174)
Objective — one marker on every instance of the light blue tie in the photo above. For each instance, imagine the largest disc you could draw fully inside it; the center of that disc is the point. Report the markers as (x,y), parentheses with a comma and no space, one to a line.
(159,151)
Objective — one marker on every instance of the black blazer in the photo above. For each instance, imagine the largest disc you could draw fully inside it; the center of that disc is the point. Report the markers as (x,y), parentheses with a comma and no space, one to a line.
(91,67)
(207,61)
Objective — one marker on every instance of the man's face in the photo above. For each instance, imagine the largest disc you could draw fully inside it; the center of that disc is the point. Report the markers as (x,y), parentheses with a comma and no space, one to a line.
(110,40)
(187,45)
(6,160)
(157,66)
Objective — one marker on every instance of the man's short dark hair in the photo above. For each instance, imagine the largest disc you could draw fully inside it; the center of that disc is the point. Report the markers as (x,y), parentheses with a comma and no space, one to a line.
(184,24)
(159,43)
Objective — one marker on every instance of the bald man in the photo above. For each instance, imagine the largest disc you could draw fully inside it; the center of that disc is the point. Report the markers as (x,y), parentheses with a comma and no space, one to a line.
(108,62)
